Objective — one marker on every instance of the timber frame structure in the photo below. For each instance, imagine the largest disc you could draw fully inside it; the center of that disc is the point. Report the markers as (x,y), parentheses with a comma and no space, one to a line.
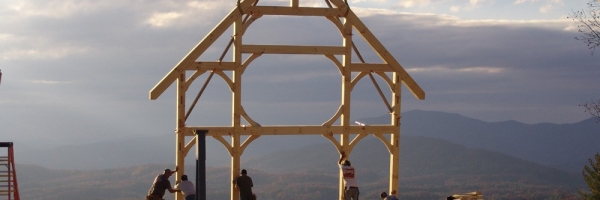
(240,18)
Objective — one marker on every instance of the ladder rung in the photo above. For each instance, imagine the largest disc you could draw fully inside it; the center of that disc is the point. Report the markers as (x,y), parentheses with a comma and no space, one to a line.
(4,182)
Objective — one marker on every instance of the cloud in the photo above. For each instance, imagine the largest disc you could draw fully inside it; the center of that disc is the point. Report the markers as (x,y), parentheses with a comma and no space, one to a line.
(472,5)
(163,19)
(186,14)
(48,82)
(521,1)
(41,54)
(57,9)
(448,71)
(476,2)
(84,74)
(546,8)
(414,3)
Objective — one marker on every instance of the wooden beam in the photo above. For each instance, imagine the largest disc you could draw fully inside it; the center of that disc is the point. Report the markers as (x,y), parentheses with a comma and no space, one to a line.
(288,49)
(294,130)
(208,40)
(294,11)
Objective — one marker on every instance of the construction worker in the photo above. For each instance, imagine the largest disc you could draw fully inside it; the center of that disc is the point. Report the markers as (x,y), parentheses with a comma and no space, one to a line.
(160,184)
(350,185)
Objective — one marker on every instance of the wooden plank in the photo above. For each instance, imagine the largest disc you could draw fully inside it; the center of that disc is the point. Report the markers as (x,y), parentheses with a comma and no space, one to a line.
(295,130)
(290,49)
(208,40)
(294,11)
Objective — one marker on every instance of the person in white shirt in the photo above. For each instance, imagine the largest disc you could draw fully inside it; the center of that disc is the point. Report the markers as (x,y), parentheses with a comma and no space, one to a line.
(350,185)
(187,188)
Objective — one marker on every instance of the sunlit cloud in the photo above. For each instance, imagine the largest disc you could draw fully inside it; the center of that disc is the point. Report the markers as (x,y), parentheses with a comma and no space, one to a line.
(365,12)
(370,1)
(41,53)
(438,20)
(473,4)
(49,82)
(476,2)
(465,70)
(546,8)
(450,20)
(57,8)
(521,1)
(454,9)
(163,19)
(186,15)
(414,3)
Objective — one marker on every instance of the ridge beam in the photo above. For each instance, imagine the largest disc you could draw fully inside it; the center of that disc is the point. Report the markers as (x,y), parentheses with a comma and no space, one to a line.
(294,11)
(289,49)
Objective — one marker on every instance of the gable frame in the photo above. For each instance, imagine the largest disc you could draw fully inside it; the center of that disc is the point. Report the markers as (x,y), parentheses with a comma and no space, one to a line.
(349,135)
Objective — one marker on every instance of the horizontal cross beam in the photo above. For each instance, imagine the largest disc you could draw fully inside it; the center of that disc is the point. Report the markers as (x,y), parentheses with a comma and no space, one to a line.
(293,130)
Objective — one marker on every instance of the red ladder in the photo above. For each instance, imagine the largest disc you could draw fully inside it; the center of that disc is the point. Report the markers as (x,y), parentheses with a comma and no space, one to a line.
(8,175)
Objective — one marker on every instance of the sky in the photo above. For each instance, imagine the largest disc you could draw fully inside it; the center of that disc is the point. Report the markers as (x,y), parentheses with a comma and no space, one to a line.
(79,71)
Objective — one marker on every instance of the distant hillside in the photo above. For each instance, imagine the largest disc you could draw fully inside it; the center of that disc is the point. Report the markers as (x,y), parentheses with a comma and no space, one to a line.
(564,146)
(436,164)
(147,150)
(430,169)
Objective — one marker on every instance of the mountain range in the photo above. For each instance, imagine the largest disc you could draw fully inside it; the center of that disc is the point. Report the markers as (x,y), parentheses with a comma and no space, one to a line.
(563,146)
(441,154)
(430,169)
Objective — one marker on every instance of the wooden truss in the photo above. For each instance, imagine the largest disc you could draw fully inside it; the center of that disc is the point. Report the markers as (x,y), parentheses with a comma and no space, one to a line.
(240,18)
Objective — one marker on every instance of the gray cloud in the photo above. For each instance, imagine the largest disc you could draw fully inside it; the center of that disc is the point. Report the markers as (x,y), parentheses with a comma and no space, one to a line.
(84,75)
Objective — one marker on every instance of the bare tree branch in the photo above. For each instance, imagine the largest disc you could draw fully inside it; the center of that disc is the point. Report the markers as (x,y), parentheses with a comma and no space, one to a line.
(589,24)
(593,107)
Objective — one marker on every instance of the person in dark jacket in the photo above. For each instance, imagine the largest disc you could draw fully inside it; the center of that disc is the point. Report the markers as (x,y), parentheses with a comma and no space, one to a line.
(244,184)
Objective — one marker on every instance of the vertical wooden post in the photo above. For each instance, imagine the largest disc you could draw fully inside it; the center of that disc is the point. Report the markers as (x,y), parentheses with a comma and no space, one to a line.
(346,94)
(294,3)
(395,136)
(200,164)
(236,104)
(180,131)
